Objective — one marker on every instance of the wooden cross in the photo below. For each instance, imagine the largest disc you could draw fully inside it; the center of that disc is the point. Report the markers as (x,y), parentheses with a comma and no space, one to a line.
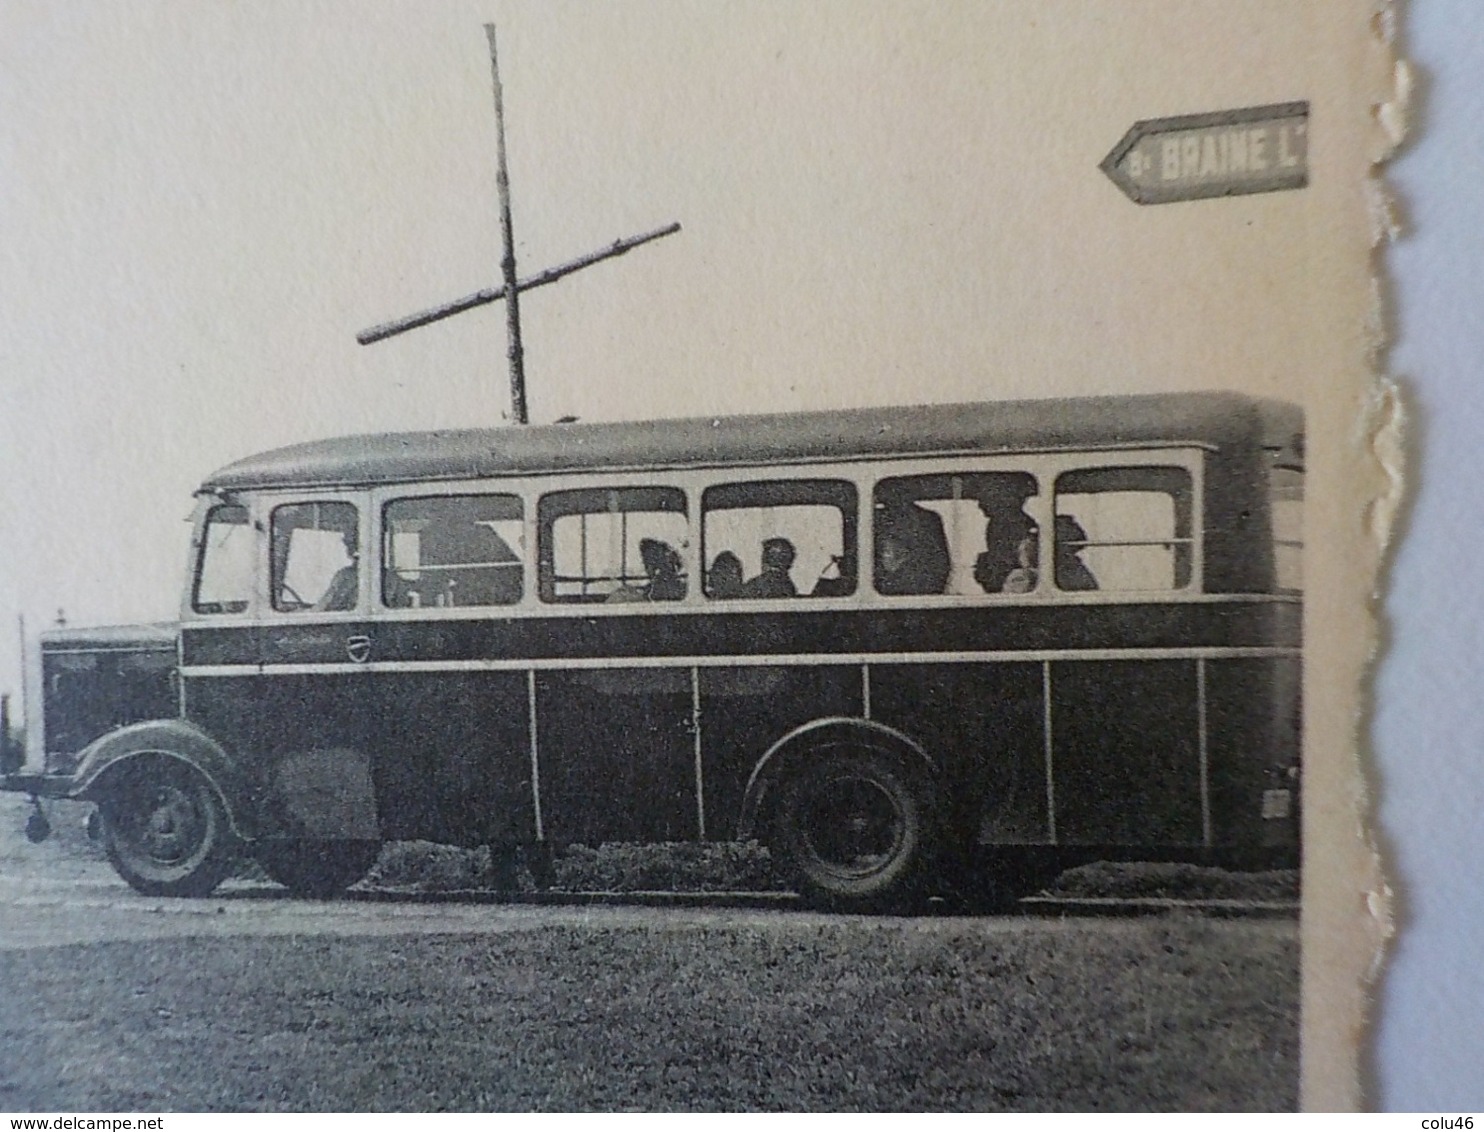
(511,287)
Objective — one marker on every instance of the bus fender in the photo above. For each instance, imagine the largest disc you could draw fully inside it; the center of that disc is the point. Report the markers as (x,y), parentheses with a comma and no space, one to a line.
(169,738)
(794,746)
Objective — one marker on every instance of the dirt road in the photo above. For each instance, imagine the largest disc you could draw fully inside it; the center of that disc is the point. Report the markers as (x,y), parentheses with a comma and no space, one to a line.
(63,892)
(93,906)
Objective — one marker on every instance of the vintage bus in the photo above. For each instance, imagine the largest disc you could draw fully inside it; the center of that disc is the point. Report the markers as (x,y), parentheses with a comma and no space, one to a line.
(908,649)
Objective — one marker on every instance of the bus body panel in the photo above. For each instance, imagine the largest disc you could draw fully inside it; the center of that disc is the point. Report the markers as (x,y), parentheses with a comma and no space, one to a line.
(442,757)
(687,636)
(615,747)
(1237,521)
(301,742)
(985,723)
(1253,714)
(663,751)
(746,709)
(451,756)
(1126,752)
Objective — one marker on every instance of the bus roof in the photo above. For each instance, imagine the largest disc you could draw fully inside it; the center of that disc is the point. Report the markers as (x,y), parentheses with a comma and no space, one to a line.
(988,427)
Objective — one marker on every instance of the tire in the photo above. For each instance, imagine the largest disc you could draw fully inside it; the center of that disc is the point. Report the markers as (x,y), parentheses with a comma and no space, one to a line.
(165,829)
(856,828)
(317,868)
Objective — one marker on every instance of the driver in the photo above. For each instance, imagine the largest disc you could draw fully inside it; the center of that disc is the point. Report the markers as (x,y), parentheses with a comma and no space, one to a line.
(340,594)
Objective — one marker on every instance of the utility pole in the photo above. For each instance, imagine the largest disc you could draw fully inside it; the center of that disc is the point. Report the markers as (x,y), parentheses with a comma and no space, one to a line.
(507,263)
(511,286)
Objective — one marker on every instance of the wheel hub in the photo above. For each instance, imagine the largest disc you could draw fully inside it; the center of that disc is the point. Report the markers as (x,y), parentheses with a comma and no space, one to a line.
(170,830)
(854,826)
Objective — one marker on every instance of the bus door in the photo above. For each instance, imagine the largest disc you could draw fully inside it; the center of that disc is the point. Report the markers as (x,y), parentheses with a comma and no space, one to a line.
(312,722)
(776,552)
(453,738)
(953,529)
(220,655)
(614,696)
(1125,718)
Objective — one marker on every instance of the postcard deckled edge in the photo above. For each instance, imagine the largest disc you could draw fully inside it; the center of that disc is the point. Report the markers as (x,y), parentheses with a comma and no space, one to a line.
(1337,1071)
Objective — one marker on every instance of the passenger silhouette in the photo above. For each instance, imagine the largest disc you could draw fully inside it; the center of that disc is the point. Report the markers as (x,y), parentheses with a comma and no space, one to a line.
(663,581)
(1022,579)
(1071,572)
(662,566)
(725,576)
(911,551)
(774,581)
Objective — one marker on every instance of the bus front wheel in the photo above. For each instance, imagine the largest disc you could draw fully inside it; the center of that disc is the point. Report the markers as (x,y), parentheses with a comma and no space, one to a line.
(165,829)
(317,868)
(855,827)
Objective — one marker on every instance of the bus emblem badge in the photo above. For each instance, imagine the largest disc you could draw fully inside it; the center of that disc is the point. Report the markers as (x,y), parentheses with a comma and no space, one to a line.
(358,649)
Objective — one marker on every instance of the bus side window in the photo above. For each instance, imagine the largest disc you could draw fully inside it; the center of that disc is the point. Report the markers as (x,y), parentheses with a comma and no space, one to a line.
(224,568)
(1123,529)
(315,557)
(1288,529)
(621,544)
(452,550)
(954,533)
(779,539)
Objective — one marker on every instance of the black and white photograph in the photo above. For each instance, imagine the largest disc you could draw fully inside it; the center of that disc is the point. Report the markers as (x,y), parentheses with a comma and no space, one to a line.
(658,557)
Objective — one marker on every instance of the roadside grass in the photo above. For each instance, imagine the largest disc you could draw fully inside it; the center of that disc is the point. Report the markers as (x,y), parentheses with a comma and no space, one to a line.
(420,866)
(780,1012)
(748,867)
(1132,879)
(673,867)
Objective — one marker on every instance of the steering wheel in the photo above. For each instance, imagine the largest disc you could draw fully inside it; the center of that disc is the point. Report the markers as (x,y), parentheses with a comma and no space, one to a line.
(289,599)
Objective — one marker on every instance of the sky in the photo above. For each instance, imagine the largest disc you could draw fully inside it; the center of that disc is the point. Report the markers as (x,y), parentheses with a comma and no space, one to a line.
(202,205)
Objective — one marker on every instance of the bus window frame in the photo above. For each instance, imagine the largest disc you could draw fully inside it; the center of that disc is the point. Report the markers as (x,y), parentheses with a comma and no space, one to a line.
(948,466)
(1287,493)
(864,473)
(382,498)
(299,616)
(1193,462)
(197,559)
(526,489)
(790,473)
(1195,584)
(260,610)
(591,602)
(692,481)
(530,489)
(1046,467)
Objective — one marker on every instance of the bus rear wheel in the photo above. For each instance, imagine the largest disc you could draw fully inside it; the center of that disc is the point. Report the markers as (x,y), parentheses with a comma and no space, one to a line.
(165,829)
(855,827)
(317,868)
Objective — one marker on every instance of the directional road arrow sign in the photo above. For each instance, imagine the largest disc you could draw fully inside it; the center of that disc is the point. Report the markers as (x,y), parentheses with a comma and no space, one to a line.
(1257,150)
